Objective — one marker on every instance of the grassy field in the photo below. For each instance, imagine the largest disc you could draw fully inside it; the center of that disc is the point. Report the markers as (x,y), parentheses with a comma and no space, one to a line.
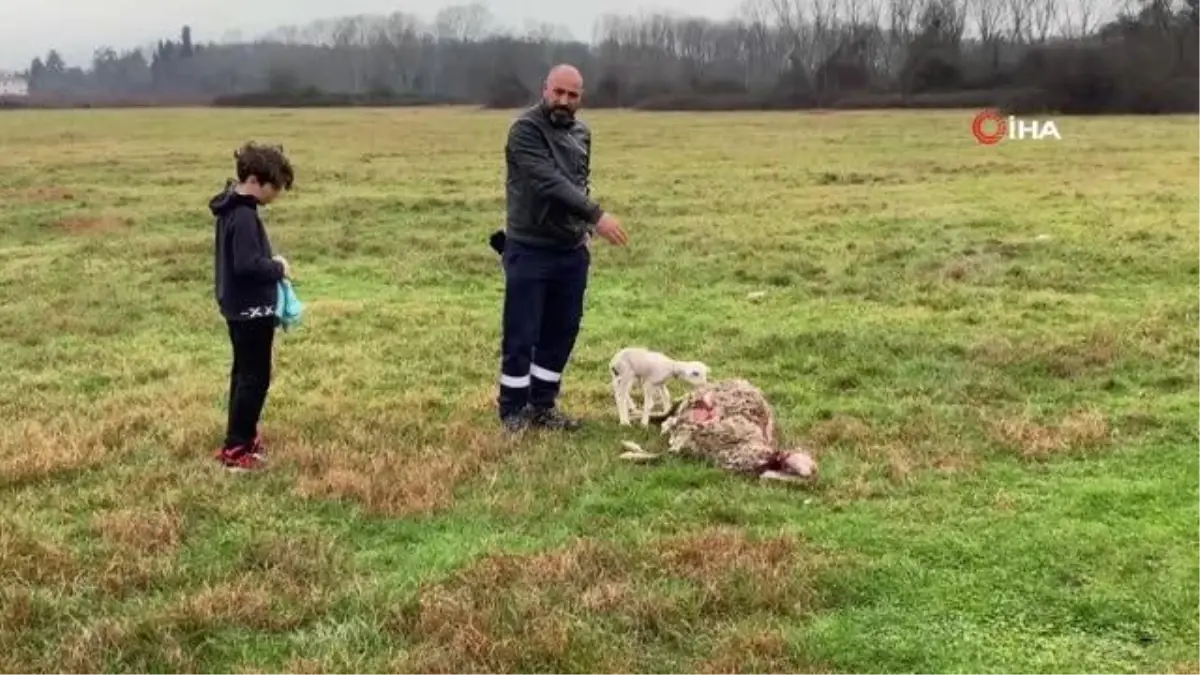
(992,351)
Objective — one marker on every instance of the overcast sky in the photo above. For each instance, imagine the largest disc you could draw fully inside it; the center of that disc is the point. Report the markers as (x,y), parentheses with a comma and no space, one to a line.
(30,28)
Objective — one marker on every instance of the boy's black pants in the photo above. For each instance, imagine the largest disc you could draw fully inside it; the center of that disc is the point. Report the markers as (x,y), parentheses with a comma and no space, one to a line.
(250,377)
(543,308)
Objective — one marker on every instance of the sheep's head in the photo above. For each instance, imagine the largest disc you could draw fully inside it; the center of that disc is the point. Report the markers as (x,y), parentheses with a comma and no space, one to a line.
(800,463)
(693,372)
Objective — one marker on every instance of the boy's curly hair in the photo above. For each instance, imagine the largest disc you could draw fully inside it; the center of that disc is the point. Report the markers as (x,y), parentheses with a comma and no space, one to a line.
(267,163)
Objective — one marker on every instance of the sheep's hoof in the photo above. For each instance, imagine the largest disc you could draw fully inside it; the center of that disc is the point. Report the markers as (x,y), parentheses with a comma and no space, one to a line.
(635,453)
(779,476)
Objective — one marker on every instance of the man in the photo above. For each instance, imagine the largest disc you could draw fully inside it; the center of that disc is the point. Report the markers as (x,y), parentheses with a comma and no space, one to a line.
(545,251)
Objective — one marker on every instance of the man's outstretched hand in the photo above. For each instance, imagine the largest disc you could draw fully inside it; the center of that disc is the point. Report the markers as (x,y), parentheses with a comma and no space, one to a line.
(610,228)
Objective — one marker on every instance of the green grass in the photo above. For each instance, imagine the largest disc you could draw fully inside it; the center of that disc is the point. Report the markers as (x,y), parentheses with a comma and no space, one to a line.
(992,350)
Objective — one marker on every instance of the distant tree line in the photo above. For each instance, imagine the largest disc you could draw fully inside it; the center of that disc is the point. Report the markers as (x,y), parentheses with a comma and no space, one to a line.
(1048,55)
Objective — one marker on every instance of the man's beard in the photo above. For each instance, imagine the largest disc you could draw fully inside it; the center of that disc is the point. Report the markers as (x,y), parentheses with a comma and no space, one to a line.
(561,115)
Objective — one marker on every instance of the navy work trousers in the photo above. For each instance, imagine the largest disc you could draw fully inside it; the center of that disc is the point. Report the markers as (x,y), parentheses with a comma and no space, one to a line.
(543,307)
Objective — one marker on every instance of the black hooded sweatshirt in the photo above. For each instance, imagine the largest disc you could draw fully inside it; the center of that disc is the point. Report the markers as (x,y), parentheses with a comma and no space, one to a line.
(245,276)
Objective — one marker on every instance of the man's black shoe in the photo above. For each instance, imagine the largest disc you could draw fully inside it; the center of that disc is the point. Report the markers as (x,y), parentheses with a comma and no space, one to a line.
(515,423)
(551,418)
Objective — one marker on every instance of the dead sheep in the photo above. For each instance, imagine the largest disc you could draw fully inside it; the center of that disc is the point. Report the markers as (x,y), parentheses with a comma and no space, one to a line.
(730,424)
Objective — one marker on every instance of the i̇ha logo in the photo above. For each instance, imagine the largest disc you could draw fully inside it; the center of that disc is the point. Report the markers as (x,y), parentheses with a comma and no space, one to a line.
(990,127)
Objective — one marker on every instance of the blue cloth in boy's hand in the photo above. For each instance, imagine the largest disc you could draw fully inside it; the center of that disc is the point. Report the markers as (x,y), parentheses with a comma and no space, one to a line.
(290,307)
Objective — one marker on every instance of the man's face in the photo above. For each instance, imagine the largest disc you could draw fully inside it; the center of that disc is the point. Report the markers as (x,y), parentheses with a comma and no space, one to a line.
(267,193)
(562,94)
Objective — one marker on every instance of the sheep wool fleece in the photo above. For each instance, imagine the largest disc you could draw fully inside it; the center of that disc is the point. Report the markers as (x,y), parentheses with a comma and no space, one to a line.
(728,423)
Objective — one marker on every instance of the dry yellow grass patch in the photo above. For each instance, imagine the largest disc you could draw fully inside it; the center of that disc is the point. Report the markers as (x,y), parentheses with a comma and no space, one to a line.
(1077,431)
(506,612)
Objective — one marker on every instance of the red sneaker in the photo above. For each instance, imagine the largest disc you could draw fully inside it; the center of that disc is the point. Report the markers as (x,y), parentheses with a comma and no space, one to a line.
(238,459)
(258,449)
(245,462)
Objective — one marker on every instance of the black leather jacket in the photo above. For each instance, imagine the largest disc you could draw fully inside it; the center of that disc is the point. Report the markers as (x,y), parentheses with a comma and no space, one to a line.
(547,187)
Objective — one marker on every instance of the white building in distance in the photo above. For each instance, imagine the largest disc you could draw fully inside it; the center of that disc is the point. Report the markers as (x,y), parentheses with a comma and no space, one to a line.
(12,84)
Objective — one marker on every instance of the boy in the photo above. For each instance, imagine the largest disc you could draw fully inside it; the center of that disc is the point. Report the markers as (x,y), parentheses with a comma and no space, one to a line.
(246,275)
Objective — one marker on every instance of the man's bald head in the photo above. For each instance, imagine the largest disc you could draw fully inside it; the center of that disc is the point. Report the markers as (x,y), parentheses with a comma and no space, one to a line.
(567,74)
(563,92)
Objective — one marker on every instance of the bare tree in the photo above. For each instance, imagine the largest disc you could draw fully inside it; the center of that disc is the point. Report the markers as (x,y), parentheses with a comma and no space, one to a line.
(1078,17)
(464,23)
(1017,13)
(1043,19)
(786,52)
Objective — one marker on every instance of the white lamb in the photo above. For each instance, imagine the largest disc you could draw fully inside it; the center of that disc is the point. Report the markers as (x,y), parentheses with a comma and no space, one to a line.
(654,369)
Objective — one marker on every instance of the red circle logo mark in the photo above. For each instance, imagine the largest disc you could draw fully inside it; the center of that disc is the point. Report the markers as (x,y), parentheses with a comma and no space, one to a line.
(985,119)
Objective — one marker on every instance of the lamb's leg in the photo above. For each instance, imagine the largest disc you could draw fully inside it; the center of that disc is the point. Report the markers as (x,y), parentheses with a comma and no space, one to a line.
(621,386)
(620,401)
(666,396)
(647,401)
